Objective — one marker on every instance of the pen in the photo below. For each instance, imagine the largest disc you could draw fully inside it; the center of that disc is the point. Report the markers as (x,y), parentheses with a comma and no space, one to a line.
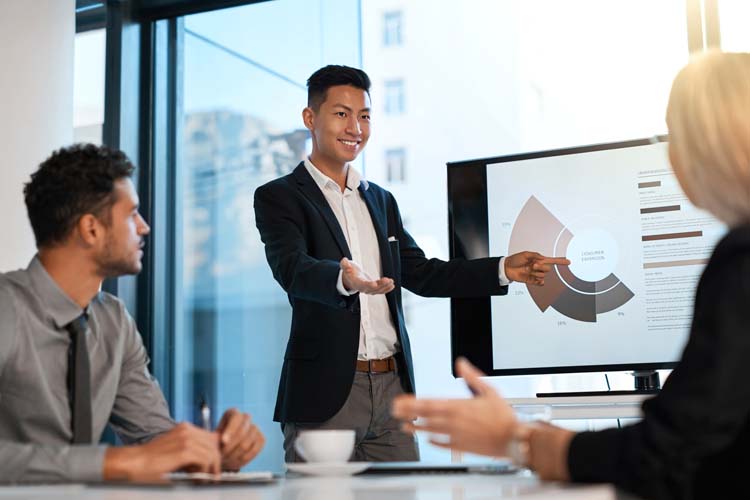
(205,416)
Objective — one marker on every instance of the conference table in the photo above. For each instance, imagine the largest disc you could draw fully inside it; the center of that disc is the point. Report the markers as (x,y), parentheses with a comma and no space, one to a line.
(450,486)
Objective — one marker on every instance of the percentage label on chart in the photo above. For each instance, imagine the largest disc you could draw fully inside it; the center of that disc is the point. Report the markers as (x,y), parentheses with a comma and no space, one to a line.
(619,313)
(506,225)
(519,292)
(561,323)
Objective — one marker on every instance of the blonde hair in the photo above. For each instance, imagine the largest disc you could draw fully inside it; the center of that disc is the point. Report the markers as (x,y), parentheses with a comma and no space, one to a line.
(709,128)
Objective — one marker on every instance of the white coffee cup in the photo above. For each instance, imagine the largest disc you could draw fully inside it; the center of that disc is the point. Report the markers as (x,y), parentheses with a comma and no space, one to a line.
(325,445)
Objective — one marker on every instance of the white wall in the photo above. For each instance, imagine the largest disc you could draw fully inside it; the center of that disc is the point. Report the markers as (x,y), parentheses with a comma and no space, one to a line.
(36,107)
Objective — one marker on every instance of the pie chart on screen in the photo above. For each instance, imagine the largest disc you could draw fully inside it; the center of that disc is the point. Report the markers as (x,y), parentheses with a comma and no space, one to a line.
(586,288)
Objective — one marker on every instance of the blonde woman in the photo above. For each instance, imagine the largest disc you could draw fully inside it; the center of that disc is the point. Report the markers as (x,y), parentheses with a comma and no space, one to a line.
(694,438)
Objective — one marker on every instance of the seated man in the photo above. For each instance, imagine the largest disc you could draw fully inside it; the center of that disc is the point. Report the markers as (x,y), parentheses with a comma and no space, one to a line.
(71,358)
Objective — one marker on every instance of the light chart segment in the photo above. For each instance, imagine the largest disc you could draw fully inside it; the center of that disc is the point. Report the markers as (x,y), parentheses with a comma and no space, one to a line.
(538,229)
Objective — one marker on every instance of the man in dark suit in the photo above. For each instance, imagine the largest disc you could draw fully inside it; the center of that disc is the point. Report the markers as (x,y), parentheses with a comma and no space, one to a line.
(337,246)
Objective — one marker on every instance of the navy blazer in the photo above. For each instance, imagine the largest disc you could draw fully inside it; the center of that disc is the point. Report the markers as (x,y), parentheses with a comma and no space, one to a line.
(304,244)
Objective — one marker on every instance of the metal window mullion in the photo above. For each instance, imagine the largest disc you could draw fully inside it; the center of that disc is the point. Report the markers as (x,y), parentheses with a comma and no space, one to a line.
(711,24)
(121,108)
(694,20)
(703,27)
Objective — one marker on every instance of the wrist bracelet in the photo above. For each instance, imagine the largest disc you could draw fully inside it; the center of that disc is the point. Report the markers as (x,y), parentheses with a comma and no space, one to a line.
(518,446)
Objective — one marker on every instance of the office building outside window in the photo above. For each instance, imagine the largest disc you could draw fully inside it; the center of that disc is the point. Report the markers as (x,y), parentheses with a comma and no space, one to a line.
(395,161)
(88,86)
(394,97)
(392,28)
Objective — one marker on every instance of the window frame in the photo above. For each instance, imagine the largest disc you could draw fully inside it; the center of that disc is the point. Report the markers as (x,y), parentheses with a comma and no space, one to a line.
(393,36)
(394,104)
(395,175)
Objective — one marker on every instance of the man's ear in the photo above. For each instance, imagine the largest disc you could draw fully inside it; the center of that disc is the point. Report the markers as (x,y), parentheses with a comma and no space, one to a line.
(308,118)
(89,229)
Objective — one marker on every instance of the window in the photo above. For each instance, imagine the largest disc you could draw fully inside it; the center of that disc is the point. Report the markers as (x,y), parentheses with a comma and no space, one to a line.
(392,29)
(394,97)
(733,18)
(244,89)
(395,160)
(88,86)
(499,79)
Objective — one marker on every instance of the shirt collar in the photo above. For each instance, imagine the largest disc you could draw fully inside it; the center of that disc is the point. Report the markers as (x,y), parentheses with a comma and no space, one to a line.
(353,177)
(61,308)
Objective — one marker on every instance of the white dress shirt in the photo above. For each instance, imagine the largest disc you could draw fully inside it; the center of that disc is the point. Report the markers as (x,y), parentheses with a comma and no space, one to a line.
(377,333)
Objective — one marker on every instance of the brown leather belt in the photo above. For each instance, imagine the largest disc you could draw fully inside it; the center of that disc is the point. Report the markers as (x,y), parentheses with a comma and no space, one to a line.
(376,365)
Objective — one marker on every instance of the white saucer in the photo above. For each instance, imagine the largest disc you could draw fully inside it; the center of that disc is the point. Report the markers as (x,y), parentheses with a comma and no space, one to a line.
(328,468)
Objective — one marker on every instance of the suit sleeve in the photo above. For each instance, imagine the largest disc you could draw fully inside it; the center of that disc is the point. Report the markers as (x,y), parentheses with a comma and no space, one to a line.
(140,412)
(699,412)
(33,462)
(458,278)
(281,225)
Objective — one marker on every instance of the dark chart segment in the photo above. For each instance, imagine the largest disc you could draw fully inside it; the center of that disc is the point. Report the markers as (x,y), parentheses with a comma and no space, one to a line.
(537,228)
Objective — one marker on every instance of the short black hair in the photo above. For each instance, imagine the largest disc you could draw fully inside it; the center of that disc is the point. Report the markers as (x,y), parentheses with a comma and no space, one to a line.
(331,76)
(73,181)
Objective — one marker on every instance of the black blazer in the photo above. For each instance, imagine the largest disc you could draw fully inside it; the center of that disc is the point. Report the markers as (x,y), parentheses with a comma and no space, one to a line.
(694,438)
(304,244)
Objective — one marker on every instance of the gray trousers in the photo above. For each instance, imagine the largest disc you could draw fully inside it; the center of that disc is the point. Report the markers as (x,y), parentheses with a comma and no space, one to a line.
(367,410)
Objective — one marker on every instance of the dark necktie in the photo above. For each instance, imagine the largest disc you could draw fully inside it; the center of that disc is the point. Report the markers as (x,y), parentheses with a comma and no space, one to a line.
(79,381)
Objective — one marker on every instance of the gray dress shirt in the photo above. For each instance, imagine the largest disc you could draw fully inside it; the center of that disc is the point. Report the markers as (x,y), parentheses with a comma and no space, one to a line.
(35,415)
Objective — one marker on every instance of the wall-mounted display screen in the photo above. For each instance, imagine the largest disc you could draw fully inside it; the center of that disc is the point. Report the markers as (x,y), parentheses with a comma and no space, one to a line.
(637,247)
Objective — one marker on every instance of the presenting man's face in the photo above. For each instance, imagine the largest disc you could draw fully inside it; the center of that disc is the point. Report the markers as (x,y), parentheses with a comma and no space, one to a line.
(341,126)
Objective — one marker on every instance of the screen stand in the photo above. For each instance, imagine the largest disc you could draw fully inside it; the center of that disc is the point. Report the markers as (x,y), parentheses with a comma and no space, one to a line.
(646,382)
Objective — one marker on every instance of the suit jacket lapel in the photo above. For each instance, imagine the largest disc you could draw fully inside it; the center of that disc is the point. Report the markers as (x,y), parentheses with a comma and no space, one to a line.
(312,192)
(378,214)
